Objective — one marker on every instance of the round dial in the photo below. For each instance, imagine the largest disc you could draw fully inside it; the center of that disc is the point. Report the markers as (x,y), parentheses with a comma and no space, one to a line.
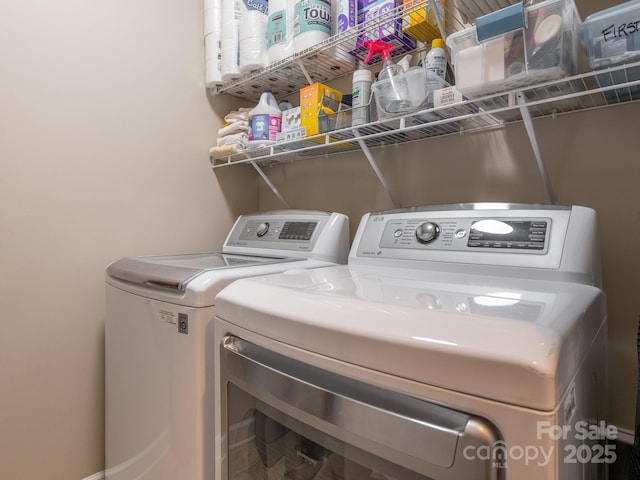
(262,229)
(427,232)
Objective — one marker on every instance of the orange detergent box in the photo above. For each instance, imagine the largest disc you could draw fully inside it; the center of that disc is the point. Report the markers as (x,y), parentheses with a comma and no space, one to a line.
(314,100)
(419,19)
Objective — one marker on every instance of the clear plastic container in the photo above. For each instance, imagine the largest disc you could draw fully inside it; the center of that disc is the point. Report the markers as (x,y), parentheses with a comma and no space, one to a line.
(544,50)
(416,89)
(611,37)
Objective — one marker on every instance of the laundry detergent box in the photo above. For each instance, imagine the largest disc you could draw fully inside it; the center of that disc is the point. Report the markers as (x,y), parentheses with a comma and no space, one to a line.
(382,22)
(316,102)
(290,128)
(420,19)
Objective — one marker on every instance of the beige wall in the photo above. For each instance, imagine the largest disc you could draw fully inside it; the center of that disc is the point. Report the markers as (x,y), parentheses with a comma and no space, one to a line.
(105,130)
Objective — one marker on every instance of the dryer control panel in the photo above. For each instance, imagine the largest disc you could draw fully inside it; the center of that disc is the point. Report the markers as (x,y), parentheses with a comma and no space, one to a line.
(468,233)
(480,237)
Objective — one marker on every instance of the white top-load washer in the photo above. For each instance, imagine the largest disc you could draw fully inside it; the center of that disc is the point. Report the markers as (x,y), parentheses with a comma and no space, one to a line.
(159,327)
(461,341)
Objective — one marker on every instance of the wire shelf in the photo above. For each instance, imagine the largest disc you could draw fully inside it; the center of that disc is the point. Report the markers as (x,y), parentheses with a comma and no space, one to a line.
(326,61)
(612,86)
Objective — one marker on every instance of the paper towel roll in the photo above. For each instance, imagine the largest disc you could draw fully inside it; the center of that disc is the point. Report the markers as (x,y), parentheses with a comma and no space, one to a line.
(344,17)
(230,44)
(280,30)
(312,23)
(212,20)
(212,14)
(253,41)
(213,55)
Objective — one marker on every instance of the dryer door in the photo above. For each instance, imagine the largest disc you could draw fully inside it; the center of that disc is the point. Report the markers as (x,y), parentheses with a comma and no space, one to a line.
(287,419)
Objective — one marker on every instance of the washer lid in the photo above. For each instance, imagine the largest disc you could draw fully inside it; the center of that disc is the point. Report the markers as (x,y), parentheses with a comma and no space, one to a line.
(516,341)
(175,271)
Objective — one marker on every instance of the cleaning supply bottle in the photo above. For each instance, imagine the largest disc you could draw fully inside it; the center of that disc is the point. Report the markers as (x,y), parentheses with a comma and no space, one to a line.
(264,121)
(436,60)
(361,95)
(435,63)
(395,95)
(285,105)
(389,69)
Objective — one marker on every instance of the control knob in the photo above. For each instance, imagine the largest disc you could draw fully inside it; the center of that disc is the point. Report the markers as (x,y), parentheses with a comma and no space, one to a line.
(262,229)
(427,232)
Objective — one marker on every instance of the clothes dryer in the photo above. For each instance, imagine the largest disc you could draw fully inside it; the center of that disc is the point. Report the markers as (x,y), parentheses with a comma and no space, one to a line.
(460,342)
(159,338)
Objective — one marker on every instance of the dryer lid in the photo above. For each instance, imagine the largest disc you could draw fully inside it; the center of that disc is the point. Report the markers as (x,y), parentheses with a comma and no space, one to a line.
(175,271)
(516,341)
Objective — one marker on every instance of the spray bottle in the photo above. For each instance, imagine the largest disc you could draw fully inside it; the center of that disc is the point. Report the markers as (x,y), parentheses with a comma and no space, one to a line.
(396,95)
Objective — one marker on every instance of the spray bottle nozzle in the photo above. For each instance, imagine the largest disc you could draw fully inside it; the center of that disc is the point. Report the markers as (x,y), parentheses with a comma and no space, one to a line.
(378,46)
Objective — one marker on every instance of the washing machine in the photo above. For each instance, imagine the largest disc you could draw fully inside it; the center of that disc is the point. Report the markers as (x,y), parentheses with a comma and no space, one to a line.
(159,338)
(462,341)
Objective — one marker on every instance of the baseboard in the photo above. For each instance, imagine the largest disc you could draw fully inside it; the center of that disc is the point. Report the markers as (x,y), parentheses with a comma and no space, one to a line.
(95,476)
(625,436)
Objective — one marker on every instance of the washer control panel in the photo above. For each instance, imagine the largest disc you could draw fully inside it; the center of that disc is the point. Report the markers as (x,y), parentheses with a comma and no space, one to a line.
(276,230)
(286,232)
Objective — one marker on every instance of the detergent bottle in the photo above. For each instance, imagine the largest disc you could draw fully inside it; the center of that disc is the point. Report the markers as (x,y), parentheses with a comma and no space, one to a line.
(264,121)
(392,92)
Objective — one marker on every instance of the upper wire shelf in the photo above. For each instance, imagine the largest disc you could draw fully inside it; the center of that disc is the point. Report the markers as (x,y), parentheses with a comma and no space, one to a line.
(591,90)
(326,61)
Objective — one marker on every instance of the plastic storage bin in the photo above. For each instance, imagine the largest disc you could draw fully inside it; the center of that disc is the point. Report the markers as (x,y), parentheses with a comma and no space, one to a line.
(515,47)
(611,37)
(472,9)
(409,92)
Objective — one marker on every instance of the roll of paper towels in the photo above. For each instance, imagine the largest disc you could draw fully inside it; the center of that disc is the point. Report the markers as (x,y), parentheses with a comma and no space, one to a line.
(280,30)
(230,17)
(253,36)
(311,24)
(212,14)
(344,18)
(213,54)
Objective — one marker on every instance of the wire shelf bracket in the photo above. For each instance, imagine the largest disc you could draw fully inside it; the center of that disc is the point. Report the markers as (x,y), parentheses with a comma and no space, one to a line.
(528,125)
